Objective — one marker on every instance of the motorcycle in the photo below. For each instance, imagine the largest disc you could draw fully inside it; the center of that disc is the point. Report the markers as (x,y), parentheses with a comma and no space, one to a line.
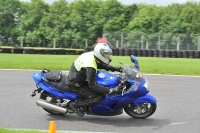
(134,97)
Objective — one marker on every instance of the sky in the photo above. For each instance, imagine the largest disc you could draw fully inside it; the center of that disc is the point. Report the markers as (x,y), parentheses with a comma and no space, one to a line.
(128,2)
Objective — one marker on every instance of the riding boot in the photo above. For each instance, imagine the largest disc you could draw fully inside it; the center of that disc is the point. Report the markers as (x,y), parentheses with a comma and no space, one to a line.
(74,107)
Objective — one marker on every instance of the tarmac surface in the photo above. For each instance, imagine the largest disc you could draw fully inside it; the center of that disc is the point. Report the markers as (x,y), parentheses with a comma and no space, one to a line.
(178,109)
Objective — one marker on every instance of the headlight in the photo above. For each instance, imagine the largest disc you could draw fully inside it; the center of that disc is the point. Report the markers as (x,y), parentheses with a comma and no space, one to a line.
(146,85)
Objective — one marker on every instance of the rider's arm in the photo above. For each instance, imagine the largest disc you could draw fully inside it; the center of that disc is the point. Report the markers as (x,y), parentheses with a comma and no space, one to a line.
(90,73)
(108,67)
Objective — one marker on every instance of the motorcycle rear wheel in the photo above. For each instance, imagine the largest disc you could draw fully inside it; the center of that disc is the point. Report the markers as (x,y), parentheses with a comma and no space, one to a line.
(50,99)
(145,110)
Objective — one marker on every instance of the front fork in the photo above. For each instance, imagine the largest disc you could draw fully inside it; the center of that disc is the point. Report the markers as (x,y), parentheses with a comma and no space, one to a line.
(136,105)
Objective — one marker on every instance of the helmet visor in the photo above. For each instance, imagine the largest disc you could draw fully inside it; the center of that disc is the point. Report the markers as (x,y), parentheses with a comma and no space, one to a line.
(106,53)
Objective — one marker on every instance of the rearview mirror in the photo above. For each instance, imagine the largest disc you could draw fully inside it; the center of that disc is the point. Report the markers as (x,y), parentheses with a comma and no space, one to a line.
(134,59)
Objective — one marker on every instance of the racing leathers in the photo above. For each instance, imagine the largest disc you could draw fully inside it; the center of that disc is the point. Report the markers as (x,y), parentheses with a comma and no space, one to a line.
(82,80)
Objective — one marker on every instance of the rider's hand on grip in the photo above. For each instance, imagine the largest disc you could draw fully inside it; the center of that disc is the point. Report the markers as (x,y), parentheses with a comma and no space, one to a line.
(115,90)
(119,68)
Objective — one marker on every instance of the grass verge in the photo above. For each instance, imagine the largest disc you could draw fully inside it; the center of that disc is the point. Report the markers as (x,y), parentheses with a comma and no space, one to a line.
(5,130)
(148,65)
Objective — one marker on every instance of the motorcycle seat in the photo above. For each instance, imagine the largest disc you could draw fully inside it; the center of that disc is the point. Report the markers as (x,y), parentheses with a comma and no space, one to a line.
(62,84)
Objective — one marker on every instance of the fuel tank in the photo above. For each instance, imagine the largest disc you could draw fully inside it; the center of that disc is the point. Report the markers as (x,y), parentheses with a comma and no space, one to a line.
(107,79)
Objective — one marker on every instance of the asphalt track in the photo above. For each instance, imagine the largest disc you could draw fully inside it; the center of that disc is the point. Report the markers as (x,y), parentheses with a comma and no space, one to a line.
(178,108)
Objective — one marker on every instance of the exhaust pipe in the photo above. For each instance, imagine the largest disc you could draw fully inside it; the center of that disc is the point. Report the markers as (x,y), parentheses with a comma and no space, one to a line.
(46,105)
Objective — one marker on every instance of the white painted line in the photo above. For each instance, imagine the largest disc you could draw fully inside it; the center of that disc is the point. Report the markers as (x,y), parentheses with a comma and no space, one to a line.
(17,70)
(180,123)
(172,75)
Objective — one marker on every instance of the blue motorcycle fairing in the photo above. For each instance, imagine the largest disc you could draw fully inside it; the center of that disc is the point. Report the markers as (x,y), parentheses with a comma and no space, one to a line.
(110,107)
(148,98)
(142,90)
(107,79)
(131,94)
(114,104)
(37,77)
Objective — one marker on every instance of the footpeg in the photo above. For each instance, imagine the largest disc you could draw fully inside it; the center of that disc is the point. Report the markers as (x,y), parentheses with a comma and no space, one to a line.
(32,94)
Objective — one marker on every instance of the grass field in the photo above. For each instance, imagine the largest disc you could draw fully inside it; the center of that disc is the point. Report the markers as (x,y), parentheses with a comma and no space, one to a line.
(148,65)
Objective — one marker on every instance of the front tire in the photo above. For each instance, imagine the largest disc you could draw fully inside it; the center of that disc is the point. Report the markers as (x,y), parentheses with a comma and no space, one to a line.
(143,111)
(51,99)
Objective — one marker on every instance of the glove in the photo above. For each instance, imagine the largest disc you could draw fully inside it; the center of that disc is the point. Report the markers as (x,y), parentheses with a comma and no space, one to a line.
(119,68)
(115,90)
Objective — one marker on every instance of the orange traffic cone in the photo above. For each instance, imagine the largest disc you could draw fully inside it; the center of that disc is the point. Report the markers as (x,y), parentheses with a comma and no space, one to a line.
(52,127)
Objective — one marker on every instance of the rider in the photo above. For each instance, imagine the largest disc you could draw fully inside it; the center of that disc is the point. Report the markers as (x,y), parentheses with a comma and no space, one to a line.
(82,74)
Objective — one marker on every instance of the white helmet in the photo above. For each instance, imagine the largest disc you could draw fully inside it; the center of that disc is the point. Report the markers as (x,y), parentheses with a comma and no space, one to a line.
(99,51)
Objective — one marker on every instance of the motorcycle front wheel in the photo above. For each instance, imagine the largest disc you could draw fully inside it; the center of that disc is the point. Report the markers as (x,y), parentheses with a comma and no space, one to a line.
(51,99)
(142,111)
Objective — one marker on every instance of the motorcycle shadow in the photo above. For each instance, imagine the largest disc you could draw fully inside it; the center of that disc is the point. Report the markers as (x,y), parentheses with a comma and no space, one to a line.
(117,121)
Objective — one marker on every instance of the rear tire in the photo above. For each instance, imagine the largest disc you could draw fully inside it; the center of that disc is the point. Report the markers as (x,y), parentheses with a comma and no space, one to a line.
(145,110)
(51,99)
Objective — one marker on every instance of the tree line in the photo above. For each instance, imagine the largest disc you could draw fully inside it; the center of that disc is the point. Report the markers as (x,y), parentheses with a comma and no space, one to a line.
(84,20)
